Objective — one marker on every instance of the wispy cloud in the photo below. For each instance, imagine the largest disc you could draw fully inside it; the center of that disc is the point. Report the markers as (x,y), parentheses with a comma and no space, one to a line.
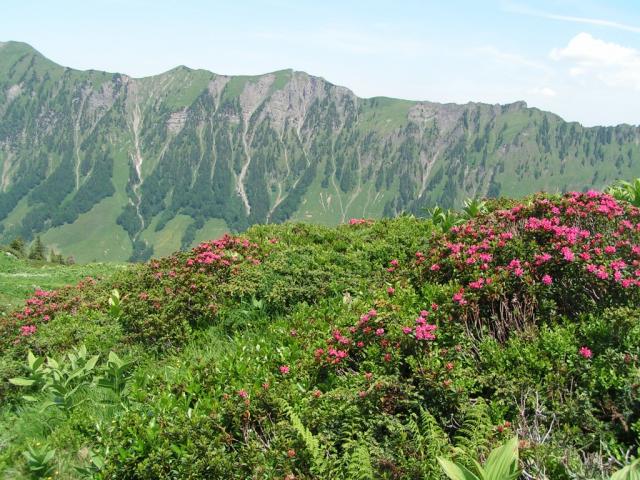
(611,63)
(525,10)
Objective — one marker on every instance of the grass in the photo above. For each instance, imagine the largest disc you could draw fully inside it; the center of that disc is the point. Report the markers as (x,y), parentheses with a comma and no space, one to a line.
(19,277)
(167,240)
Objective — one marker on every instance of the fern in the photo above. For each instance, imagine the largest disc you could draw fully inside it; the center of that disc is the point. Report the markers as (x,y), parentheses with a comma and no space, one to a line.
(359,463)
(310,441)
(473,438)
(430,441)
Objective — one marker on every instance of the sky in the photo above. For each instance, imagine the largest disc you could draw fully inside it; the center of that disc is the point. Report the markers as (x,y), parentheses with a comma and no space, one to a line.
(577,58)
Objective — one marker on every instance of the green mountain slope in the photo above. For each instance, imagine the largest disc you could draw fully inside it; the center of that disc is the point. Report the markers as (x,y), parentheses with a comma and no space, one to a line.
(111,167)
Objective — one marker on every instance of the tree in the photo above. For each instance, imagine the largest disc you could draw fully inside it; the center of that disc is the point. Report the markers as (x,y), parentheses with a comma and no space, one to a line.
(38,250)
(17,245)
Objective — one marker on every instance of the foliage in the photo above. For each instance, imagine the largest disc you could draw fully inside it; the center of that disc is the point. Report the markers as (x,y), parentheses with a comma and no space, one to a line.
(501,464)
(39,461)
(299,351)
(626,191)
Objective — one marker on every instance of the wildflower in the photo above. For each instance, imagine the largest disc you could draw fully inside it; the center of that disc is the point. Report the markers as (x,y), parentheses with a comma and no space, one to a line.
(391,291)
(317,393)
(380,332)
(459,297)
(291,453)
(265,386)
(284,369)
(435,267)
(425,332)
(407,330)
(362,394)
(449,366)
(585,352)
(243,394)
(394,262)
(567,253)
(27,330)
(547,280)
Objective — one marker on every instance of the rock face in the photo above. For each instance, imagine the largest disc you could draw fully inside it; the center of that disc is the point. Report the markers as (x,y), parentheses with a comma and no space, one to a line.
(148,153)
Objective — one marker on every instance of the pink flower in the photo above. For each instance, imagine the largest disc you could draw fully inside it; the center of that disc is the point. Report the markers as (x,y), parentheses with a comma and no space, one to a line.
(435,267)
(391,291)
(394,262)
(407,330)
(610,249)
(425,332)
(380,332)
(547,280)
(243,394)
(567,253)
(27,330)
(284,369)
(585,352)
(459,297)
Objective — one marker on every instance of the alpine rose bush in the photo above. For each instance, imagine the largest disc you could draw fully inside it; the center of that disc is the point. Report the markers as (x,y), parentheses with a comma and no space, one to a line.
(557,255)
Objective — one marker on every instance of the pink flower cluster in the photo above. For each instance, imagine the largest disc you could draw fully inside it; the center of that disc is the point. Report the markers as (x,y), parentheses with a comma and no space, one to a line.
(360,221)
(422,329)
(548,239)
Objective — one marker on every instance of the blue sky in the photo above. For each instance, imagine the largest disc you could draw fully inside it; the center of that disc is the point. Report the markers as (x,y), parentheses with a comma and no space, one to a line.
(580,59)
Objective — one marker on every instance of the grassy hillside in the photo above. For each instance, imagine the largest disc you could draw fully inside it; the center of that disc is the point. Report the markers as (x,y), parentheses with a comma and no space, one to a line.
(364,351)
(19,278)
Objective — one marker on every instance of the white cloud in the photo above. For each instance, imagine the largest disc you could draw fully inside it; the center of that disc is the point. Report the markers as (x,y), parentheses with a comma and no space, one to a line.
(611,63)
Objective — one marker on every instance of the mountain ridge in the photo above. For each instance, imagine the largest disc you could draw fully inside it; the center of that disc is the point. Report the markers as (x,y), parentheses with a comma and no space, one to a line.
(109,167)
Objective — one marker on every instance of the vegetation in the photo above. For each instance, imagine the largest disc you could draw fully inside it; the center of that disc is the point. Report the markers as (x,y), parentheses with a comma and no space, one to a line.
(370,350)
(20,276)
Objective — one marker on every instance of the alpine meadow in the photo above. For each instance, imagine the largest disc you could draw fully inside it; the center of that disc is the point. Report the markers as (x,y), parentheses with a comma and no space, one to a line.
(273,277)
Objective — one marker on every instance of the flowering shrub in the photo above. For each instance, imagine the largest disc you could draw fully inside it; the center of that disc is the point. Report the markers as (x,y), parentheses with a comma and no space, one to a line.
(338,352)
(168,297)
(550,256)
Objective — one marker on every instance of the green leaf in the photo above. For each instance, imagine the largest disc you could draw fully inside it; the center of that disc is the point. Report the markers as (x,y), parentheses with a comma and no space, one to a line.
(630,472)
(31,359)
(455,471)
(21,382)
(503,461)
(91,363)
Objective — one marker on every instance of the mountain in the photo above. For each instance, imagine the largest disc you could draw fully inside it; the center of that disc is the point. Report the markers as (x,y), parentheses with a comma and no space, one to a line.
(109,167)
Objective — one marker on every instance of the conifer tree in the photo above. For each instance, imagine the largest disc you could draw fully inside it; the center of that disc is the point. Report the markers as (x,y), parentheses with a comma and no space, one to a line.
(17,245)
(38,251)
